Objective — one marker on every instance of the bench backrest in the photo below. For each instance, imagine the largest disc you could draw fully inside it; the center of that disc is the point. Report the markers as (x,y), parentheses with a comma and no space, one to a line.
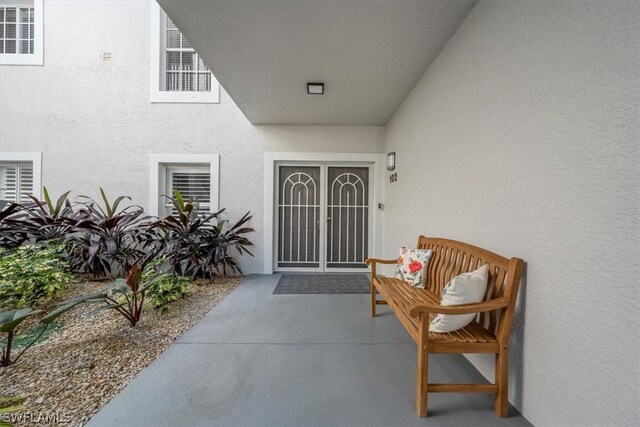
(451,258)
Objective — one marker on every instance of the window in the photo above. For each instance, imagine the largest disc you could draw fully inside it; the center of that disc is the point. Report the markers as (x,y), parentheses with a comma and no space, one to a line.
(193,182)
(21,32)
(17,23)
(19,176)
(183,68)
(194,175)
(178,74)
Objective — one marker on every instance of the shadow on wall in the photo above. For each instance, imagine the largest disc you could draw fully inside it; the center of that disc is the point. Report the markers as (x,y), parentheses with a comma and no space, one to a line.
(516,356)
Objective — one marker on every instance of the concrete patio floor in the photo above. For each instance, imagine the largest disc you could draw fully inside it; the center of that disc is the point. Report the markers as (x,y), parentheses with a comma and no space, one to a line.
(260,359)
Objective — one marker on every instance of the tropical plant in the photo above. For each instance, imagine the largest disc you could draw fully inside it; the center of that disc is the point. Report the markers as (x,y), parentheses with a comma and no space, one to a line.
(167,289)
(126,297)
(10,320)
(10,235)
(31,274)
(183,235)
(9,404)
(105,241)
(197,248)
(218,248)
(44,220)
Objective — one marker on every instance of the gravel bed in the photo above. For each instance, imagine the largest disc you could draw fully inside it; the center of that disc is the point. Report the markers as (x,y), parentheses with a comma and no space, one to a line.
(77,370)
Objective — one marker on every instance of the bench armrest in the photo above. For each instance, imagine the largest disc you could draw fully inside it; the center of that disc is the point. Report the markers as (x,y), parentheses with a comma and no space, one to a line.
(480,307)
(370,261)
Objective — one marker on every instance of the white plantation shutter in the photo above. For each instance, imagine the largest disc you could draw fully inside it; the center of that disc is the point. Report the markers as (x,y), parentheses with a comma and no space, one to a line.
(8,182)
(26,181)
(16,181)
(193,182)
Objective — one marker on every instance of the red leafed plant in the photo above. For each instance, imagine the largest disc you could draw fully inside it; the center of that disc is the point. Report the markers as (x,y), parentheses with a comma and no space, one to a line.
(126,296)
(134,278)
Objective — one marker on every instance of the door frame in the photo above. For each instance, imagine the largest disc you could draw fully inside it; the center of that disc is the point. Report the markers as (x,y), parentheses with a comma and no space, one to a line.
(376,162)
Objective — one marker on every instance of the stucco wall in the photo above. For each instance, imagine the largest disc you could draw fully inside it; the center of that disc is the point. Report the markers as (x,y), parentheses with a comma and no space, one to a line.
(95,126)
(522,138)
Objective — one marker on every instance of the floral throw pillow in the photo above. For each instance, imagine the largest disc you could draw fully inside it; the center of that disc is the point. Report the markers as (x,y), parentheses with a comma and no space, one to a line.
(412,266)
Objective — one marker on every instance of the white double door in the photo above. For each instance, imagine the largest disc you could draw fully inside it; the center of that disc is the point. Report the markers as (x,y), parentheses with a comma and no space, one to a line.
(323,217)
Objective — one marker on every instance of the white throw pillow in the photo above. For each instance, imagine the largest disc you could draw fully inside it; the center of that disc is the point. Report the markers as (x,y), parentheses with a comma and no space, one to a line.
(467,288)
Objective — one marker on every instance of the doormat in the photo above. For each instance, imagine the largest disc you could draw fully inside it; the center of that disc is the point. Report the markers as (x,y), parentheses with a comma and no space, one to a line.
(323,283)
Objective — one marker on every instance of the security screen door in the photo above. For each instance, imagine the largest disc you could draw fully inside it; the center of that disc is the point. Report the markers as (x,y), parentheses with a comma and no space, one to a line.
(323,217)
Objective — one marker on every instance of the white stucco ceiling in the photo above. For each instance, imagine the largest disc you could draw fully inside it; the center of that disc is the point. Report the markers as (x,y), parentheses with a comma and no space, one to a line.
(369,53)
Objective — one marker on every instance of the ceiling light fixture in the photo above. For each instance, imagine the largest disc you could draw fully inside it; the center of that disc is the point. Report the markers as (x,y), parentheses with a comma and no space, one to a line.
(315,88)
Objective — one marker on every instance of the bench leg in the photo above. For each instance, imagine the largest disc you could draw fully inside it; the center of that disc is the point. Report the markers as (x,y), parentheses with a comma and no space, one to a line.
(373,290)
(502,395)
(373,300)
(423,365)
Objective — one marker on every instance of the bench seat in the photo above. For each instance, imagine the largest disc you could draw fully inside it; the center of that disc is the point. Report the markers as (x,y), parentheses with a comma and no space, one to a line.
(401,296)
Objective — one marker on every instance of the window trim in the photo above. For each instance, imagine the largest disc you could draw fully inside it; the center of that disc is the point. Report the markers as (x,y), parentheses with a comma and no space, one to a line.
(35,159)
(157,176)
(37,57)
(161,96)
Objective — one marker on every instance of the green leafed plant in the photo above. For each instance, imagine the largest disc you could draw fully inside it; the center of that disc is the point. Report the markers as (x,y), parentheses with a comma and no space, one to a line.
(167,289)
(10,320)
(30,275)
(8,405)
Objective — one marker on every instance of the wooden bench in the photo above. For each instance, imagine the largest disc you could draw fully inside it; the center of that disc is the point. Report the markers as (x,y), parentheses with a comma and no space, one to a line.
(488,333)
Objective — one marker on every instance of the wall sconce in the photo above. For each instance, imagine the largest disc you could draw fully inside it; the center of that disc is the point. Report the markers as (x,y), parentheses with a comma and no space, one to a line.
(391,161)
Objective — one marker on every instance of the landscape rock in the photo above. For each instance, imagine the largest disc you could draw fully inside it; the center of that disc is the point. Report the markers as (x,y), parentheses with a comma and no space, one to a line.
(80,367)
